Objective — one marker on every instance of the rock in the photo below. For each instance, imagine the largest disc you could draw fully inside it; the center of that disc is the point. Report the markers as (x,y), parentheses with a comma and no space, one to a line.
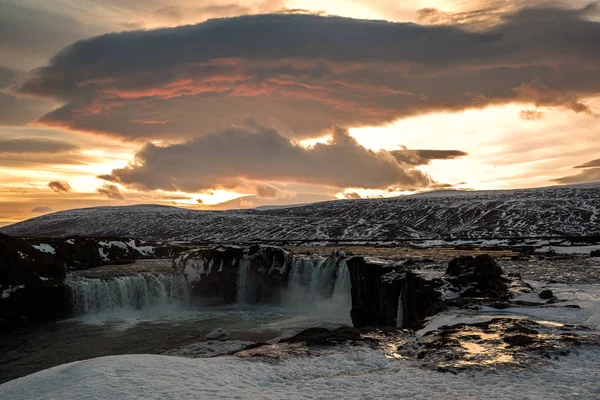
(82,253)
(595,253)
(546,294)
(218,334)
(268,273)
(212,273)
(499,305)
(505,343)
(209,349)
(478,276)
(323,336)
(390,294)
(31,283)
(519,340)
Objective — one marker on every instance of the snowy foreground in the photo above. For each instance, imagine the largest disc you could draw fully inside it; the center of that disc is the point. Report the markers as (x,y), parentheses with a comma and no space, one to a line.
(346,373)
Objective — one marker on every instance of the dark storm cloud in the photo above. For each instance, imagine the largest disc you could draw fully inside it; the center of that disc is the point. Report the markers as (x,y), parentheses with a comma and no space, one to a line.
(110,191)
(34,145)
(60,186)
(14,110)
(240,157)
(308,72)
(29,36)
(424,157)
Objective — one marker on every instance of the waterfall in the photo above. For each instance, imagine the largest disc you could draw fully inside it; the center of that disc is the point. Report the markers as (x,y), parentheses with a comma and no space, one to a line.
(342,286)
(242,281)
(137,292)
(400,311)
(320,283)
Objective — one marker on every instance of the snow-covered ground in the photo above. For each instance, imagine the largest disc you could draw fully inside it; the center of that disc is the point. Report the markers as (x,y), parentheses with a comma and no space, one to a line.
(347,373)
(543,212)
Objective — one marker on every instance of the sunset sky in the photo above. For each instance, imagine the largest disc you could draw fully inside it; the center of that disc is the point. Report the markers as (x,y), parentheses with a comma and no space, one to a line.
(116,102)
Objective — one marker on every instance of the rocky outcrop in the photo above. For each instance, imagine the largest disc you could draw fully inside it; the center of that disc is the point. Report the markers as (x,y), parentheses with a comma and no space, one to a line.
(212,273)
(595,253)
(390,294)
(226,274)
(493,344)
(478,276)
(268,271)
(326,337)
(399,294)
(31,282)
(83,253)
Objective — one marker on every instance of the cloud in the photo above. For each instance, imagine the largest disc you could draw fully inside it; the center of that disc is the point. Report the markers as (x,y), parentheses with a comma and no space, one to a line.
(240,157)
(352,196)
(590,164)
(60,186)
(264,67)
(111,191)
(590,173)
(265,190)
(29,35)
(424,157)
(541,95)
(199,201)
(15,110)
(42,209)
(585,176)
(531,115)
(34,145)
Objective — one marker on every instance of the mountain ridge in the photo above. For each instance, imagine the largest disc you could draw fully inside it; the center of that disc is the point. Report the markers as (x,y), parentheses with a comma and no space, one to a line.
(544,212)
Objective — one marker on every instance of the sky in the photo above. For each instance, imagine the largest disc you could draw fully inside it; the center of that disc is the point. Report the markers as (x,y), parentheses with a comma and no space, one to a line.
(235,104)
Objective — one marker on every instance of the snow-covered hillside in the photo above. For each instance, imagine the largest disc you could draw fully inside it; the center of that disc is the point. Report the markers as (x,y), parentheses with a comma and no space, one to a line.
(555,211)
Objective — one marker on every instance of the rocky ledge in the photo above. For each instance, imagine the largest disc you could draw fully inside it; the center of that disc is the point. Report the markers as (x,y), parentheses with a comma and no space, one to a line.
(383,293)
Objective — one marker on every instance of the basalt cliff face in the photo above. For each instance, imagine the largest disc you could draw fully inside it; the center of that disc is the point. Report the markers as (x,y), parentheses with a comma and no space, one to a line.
(33,271)
(380,292)
(375,292)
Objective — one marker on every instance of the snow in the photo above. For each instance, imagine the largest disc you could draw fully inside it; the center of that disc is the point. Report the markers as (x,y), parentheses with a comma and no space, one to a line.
(488,218)
(348,373)
(143,250)
(568,249)
(11,289)
(44,248)
(103,254)
(112,243)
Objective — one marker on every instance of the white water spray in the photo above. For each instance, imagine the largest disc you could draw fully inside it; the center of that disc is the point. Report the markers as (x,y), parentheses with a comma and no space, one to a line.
(91,296)
(242,281)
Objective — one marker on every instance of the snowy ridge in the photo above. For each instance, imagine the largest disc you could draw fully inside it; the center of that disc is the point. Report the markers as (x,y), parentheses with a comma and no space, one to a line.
(545,212)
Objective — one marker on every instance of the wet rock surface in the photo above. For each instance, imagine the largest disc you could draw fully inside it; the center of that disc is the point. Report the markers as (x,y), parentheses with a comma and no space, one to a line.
(497,343)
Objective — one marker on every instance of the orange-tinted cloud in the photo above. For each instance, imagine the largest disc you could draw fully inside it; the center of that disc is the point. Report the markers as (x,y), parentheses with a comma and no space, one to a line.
(60,186)
(224,72)
(243,158)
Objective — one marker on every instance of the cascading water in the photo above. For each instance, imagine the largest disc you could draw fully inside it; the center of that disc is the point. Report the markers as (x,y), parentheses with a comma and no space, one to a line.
(322,284)
(90,296)
(343,286)
(242,281)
